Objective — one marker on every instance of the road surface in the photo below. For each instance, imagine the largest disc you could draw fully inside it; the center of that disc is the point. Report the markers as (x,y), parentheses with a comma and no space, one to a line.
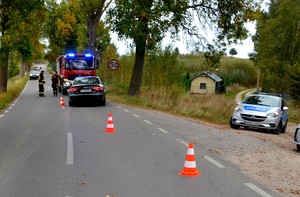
(48,150)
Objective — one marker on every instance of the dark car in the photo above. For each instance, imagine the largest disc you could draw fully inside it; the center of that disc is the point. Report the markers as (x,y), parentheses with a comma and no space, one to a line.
(87,89)
(34,74)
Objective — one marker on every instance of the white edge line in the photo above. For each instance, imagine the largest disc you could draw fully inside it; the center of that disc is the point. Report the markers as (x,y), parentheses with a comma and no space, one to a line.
(214,162)
(146,121)
(119,107)
(257,189)
(126,110)
(135,115)
(1,115)
(70,149)
(182,142)
(162,130)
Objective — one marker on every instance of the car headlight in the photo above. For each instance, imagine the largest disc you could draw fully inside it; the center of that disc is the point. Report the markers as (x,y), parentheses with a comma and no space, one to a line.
(68,83)
(273,114)
(237,109)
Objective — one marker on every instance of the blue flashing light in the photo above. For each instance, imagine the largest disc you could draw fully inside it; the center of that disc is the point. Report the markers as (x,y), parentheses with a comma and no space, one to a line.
(71,54)
(88,55)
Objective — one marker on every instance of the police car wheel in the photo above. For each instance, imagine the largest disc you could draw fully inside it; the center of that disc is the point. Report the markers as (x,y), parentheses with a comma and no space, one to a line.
(278,129)
(284,128)
(233,126)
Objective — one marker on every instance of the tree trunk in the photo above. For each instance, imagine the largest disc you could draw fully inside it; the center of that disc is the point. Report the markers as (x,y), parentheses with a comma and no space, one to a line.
(3,71)
(22,67)
(137,73)
(92,33)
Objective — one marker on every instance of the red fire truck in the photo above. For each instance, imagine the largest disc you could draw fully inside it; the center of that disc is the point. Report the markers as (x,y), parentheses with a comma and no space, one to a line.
(72,65)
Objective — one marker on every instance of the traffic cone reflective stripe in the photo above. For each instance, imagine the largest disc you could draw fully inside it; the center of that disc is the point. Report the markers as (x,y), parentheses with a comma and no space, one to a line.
(110,124)
(61,102)
(190,168)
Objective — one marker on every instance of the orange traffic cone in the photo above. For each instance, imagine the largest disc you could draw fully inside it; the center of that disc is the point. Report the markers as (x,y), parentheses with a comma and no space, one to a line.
(110,124)
(61,102)
(190,168)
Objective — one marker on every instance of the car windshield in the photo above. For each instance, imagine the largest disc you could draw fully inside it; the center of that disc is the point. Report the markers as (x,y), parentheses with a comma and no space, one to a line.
(90,81)
(270,101)
(80,64)
(34,71)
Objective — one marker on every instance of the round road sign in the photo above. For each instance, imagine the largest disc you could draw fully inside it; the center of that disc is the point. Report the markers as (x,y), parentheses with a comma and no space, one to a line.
(113,64)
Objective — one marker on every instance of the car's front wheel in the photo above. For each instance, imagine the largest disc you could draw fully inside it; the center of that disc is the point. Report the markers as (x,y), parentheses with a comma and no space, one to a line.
(298,147)
(232,125)
(278,129)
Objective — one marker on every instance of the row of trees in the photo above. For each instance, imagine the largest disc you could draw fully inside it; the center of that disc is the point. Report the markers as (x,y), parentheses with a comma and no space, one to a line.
(20,24)
(76,25)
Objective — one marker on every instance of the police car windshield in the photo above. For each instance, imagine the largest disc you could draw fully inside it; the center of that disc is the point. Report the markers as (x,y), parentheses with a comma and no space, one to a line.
(270,101)
(80,64)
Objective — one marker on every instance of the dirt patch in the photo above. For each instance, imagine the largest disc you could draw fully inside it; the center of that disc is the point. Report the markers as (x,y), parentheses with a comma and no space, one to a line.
(276,166)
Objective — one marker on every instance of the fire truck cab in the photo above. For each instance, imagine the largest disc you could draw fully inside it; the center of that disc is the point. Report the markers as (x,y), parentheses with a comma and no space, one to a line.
(72,65)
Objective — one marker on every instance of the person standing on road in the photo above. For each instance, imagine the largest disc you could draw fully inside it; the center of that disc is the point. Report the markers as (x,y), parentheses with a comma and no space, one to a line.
(41,84)
(55,79)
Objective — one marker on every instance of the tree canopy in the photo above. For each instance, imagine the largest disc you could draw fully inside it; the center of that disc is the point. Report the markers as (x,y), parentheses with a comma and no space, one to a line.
(148,22)
(277,46)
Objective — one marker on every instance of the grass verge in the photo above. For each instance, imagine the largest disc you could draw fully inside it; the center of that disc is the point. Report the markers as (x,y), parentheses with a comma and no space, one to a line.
(14,87)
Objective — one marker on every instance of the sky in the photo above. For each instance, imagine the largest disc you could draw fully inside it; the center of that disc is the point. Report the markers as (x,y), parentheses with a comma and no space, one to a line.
(243,49)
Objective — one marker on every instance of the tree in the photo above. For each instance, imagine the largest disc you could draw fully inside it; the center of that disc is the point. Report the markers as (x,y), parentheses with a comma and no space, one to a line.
(277,45)
(21,11)
(233,52)
(147,22)
(92,11)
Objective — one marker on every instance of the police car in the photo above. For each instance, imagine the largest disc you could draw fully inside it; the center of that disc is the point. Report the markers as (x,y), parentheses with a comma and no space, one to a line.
(261,111)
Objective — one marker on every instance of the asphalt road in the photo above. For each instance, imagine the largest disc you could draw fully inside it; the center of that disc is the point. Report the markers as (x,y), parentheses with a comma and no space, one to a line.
(47,150)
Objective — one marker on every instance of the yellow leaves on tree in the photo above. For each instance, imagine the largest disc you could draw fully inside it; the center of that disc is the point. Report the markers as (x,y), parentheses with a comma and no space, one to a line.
(65,25)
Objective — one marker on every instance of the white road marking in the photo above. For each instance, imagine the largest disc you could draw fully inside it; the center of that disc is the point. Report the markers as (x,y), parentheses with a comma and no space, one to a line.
(146,121)
(214,162)
(126,110)
(162,130)
(119,107)
(6,111)
(182,142)
(10,107)
(1,115)
(70,149)
(136,115)
(257,189)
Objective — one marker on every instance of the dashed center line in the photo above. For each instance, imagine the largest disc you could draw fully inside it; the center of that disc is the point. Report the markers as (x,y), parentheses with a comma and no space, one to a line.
(258,190)
(214,162)
(6,111)
(70,159)
(126,110)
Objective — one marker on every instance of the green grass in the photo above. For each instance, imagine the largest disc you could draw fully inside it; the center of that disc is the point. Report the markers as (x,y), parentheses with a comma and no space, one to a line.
(213,108)
(14,87)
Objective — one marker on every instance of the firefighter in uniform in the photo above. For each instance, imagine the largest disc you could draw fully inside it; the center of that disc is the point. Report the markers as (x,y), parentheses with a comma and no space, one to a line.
(41,84)
(55,80)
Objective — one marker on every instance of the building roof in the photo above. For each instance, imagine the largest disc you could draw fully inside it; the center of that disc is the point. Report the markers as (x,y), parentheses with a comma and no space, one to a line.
(209,74)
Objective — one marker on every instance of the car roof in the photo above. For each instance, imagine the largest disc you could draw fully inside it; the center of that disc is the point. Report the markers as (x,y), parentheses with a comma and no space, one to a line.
(267,94)
(86,77)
